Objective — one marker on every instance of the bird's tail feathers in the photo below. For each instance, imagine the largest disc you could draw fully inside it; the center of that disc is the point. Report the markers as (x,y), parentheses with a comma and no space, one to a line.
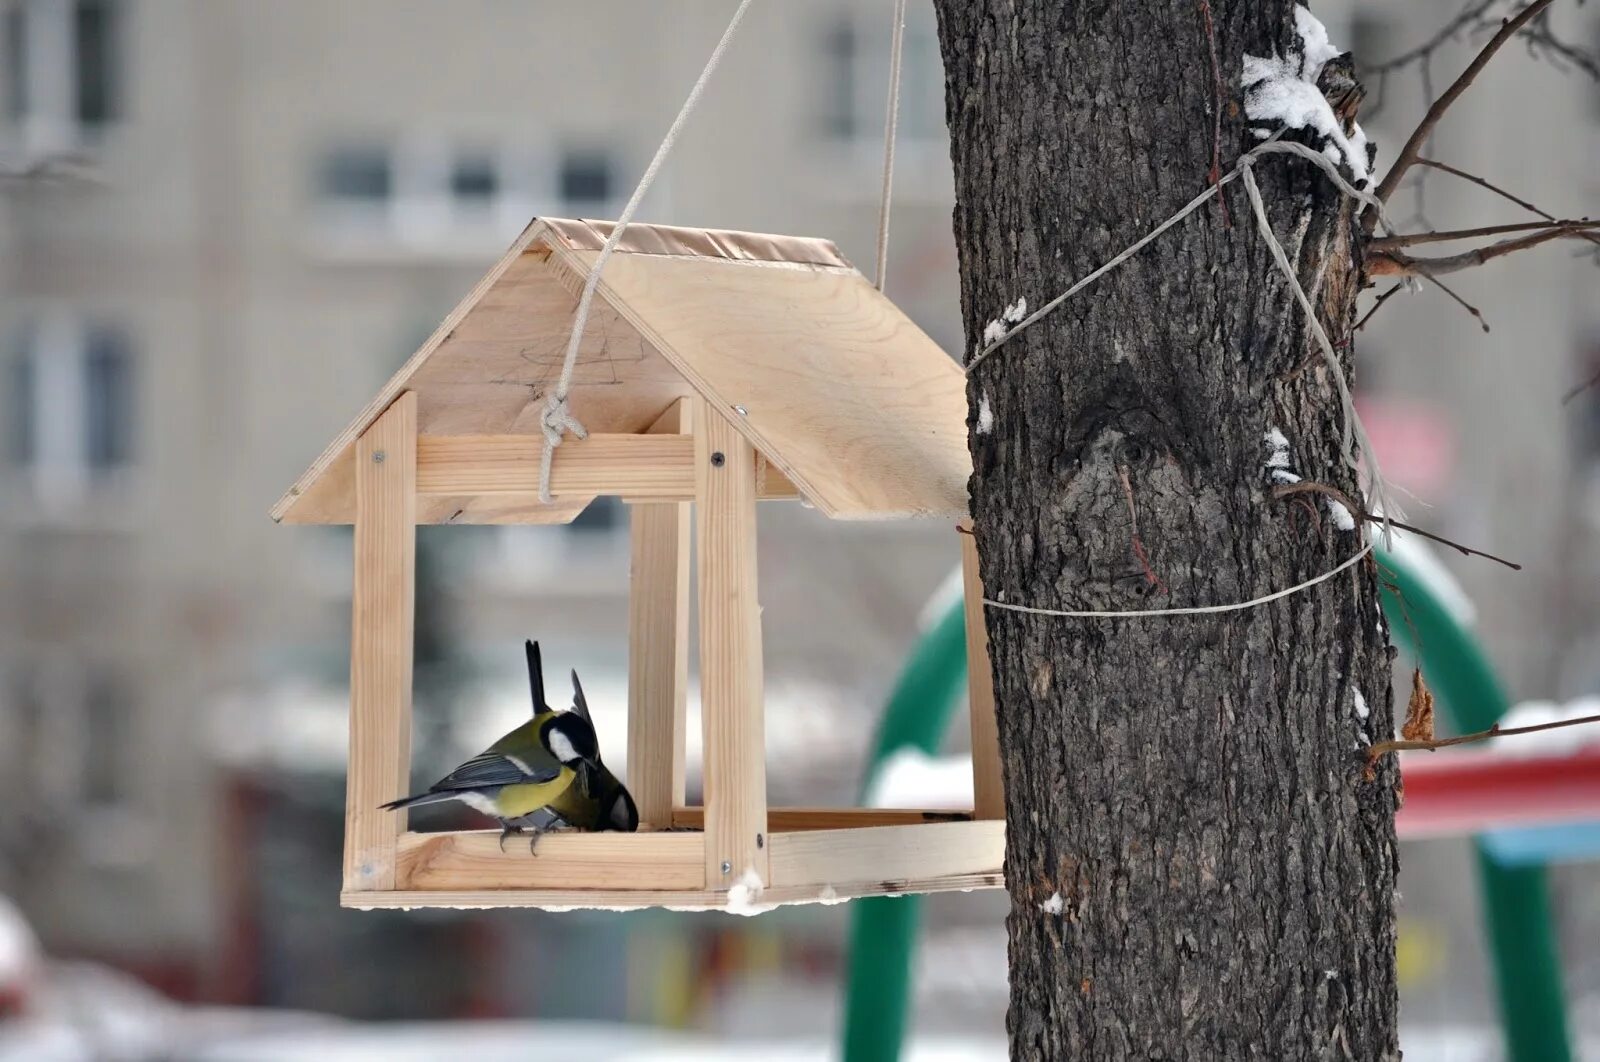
(418,800)
(536,677)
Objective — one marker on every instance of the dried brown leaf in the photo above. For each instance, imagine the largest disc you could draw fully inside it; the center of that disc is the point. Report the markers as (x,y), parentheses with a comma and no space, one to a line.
(1419,710)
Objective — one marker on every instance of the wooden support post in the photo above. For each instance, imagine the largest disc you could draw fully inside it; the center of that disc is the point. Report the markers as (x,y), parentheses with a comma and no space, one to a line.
(658,647)
(381,634)
(988,794)
(730,653)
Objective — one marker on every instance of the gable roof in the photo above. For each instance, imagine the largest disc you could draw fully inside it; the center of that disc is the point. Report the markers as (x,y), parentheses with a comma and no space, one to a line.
(828,380)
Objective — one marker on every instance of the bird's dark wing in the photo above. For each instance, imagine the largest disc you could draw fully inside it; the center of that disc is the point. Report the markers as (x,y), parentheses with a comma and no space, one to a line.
(580,704)
(536,677)
(492,769)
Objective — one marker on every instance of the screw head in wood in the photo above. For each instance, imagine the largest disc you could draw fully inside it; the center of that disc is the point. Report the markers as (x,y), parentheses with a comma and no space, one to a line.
(743,412)
(727,867)
(718,459)
(377,457)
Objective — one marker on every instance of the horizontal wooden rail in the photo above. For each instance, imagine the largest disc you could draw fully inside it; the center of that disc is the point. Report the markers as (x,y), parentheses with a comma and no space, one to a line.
(466,861)
(895,857)
(639,466)
(633,467)
(789,819)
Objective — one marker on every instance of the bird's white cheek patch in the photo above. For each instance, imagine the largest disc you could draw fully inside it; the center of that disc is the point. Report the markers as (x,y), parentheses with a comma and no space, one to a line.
(562,747)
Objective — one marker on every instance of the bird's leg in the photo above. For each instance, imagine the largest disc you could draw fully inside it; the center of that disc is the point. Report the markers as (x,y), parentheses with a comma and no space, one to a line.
(533,841)
(506,830)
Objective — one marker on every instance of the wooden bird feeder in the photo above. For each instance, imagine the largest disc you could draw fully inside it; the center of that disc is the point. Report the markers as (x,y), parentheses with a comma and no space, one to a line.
(717,369)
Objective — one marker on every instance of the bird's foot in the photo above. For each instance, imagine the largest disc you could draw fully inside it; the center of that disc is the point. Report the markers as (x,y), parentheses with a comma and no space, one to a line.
(533,842)
(506,830)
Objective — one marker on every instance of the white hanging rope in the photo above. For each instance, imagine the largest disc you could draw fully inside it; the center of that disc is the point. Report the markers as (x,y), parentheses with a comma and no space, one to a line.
(1354,433)
(557,418)
(1273,146)
(1202,610)
(891,124)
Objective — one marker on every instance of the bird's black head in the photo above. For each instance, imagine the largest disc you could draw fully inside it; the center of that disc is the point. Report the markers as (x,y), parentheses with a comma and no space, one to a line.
(571,739)
(624,813)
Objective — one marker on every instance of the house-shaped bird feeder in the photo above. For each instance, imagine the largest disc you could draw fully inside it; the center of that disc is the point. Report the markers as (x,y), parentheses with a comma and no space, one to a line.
(717,370)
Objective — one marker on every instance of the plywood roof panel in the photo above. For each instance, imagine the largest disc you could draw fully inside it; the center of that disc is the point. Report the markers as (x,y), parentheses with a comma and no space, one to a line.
(826,378)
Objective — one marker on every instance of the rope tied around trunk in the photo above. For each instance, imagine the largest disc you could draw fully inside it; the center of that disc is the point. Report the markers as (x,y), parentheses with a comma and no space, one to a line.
(1353,436)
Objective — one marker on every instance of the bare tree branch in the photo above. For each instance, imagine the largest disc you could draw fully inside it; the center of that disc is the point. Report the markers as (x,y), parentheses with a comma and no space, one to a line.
(1497,730)
(1395,264)
(1381,300)
(1413,146)
(1483,322)
(1395,243)
(1289,490)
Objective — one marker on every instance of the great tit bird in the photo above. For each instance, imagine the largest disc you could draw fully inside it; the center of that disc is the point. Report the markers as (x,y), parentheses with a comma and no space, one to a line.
(520,775)
(596,801)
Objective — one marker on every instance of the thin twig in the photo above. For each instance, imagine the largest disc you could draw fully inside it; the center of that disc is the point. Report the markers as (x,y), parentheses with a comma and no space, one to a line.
(1138,543)
(1419,136)
(1395,264)
(1497,190)
(1483,322)
(1581,388)
(1288,490)
(1410,239)
(1381,300)
(1403,745)
(1215,175)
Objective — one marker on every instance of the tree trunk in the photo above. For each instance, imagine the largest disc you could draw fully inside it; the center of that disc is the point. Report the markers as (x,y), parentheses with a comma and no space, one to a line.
(1198,868)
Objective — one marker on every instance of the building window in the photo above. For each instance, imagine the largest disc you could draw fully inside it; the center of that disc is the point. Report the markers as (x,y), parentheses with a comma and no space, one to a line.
(357,174)
(71,413)
(474,179)
(95,56)
(586,181)
(107,400)
(63,74)
(435,194)
(854,55)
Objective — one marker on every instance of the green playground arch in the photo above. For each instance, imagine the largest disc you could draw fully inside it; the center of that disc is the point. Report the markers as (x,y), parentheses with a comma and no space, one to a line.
(1515,900)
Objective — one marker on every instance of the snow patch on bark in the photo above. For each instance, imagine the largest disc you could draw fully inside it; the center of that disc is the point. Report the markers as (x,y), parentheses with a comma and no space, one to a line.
(1281,93)
(1362,711)
(1278,458)
(985,415)
(996,329)
(1054,905)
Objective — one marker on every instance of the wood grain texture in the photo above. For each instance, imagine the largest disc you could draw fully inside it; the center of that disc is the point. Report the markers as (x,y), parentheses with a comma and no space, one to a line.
(988,788)
(853,404)
(785,820)
(487,369)
(382,625)
(1186,784)
(735,767)
(475,860)
(639,466)
(848,398)
(658,645)
(897,856)
(635,899)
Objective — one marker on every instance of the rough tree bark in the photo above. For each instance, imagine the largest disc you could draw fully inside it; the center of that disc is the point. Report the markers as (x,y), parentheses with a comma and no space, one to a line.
(1188,786)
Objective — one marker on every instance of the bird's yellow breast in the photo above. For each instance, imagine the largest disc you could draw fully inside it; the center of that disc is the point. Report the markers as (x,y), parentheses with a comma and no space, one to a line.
(516,801)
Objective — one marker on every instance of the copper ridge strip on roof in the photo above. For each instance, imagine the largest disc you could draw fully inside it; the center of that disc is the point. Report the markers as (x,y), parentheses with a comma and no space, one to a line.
(699,243)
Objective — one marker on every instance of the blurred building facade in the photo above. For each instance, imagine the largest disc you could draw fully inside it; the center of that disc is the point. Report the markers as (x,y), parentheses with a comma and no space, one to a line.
(225,223)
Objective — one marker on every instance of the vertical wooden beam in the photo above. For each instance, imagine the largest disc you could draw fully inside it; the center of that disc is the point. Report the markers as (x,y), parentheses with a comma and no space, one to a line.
(730,653)
(988,794)
(381,643)
(658,646)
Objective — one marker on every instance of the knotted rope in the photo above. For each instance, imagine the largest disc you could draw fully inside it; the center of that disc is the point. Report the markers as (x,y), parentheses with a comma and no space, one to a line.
(557,418)
(1354,433)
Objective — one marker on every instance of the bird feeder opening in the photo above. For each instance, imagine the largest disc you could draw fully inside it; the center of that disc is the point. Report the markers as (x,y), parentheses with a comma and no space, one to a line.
(717,370)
